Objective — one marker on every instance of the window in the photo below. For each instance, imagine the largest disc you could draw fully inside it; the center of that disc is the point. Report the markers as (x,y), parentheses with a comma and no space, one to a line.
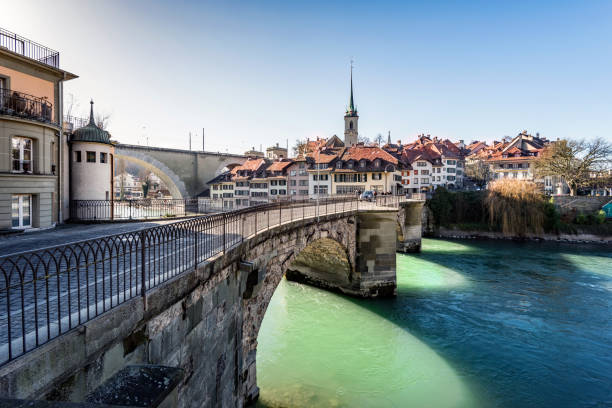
(451,162)
(303,192)
(215,186)
(376,176)
(451,178)
(425,181)
(416,172)
(421,164)
(22,154)
(273,192)
(293,173)
(102,157)
(21,214)
(351,125)
(425,172)
(91,157)
(302,165)
(303,182)
(362,163)
(292,182)
(377,163)
(282,192)
(350,165)
(450,170)
(77,156)
(320,190)
(339,165)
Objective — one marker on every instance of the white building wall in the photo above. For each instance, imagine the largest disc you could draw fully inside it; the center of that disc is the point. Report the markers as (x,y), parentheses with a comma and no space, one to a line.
(91,181)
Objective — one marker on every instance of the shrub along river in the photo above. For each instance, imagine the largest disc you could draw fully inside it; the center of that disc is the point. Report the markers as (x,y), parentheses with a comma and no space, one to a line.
(474,324)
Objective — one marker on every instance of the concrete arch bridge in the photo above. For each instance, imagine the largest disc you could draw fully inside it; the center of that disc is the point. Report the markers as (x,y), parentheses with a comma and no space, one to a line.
(185,172)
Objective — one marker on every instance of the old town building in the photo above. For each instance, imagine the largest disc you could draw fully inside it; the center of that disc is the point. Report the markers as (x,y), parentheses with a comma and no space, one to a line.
(33,170)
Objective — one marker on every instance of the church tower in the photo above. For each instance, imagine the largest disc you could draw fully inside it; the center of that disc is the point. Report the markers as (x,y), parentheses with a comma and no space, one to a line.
(351,119)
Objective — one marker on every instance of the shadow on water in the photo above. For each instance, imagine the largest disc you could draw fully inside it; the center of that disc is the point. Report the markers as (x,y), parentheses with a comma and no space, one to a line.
(507,324)
(526,324)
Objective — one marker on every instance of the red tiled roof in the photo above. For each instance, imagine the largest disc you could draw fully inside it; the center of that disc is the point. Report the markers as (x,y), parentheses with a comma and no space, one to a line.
(370,153)
(250,164)
(279,165)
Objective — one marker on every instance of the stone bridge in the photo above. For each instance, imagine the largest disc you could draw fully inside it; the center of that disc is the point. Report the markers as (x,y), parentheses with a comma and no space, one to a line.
(185,172)
(206,321)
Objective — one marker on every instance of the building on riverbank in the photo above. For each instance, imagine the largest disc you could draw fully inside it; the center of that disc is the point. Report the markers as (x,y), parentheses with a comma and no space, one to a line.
(33,168)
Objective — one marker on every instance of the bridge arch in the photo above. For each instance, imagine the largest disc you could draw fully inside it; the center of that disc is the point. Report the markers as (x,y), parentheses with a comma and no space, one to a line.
(175,185)
(287,254)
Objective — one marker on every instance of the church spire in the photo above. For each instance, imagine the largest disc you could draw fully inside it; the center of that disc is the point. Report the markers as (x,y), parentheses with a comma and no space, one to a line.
(91,115)
(351,108)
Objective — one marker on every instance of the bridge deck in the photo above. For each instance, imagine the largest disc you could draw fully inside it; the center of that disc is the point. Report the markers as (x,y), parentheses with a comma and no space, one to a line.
(48,292)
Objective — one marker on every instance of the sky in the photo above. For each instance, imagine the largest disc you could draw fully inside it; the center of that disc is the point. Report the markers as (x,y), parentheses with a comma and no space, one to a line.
(263,72)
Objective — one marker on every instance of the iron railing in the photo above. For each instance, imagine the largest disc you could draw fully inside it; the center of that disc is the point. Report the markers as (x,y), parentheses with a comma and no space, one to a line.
(72,123)
(141,209)
(48,292)
(28,48)
(149,208)
(25,106)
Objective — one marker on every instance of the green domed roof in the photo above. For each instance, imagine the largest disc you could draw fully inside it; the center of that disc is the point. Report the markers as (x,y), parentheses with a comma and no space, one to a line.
(91,132)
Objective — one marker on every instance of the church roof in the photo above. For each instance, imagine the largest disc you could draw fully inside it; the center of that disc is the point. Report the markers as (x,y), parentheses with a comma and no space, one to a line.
(91,132)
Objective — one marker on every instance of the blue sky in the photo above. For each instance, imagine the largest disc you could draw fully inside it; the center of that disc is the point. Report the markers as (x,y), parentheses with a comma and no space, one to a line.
(262,72)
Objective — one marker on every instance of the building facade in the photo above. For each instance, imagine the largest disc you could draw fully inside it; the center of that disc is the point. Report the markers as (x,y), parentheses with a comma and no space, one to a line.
(32,144)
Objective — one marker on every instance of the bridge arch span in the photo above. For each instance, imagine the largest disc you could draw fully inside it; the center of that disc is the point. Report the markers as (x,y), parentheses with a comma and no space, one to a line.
(174,183)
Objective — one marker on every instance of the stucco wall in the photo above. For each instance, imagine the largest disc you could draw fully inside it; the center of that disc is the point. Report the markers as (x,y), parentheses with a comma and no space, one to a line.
(90,181)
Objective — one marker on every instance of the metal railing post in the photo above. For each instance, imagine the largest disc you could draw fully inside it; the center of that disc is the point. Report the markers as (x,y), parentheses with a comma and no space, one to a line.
(130,207)
(143,274)
(195,248)
(224,240)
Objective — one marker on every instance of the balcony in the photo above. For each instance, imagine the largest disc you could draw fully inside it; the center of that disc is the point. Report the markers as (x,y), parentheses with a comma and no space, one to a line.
(25,106)
(28,48)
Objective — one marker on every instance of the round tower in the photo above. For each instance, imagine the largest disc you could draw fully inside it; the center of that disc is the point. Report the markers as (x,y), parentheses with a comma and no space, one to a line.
(91,162)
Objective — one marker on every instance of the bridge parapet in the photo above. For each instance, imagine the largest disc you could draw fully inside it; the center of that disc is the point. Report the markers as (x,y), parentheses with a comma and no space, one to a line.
(201,312)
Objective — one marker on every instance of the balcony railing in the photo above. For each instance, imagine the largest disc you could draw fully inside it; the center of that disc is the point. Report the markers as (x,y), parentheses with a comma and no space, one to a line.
(72,123)
(28,48)
(25,106)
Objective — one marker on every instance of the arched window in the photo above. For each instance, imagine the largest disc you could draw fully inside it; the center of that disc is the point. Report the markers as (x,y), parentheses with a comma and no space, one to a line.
(351,125)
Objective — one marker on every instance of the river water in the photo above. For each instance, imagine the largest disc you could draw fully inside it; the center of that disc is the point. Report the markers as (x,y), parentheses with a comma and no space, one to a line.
(475,324)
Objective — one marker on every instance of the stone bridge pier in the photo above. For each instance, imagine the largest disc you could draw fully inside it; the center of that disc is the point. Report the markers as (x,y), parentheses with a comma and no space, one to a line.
(409,229)
(206,321)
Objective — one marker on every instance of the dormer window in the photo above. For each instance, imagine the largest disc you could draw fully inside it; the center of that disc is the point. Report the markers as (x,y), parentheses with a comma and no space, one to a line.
(339,165)
(362,163)
(377,163)
(350,165)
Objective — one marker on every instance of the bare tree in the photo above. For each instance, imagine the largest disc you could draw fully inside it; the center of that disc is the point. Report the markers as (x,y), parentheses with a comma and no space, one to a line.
(102,120)
(575,161)
(120,171)
(379,139)
(363,139)
(300,147)
(479,172)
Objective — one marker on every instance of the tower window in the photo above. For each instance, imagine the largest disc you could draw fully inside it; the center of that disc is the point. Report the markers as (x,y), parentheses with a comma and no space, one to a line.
(91,157)
(351,125)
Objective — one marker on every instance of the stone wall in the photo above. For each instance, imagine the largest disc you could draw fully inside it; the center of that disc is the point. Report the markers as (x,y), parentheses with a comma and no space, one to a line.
(579,204)
(205,321)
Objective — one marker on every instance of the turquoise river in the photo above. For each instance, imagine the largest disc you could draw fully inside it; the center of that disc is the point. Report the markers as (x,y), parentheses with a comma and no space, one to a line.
(474,324)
